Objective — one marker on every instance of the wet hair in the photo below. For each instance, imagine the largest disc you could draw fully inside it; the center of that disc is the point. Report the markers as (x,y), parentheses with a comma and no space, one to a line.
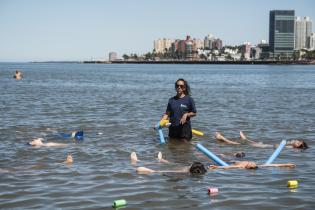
(197,168)
(303,145)
(187,87)
(239,154)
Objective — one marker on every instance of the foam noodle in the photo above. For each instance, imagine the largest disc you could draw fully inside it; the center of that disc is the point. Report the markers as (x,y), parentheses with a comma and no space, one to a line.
(163,123)
(162,140)
(119,203)
(276,152)
(211,155)
(198,133)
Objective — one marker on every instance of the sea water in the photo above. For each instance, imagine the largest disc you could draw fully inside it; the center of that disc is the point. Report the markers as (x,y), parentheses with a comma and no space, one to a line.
(117,107)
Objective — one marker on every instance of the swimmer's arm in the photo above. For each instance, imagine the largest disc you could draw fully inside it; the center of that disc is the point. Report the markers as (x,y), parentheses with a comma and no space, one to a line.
(144,170)
(224,167)
(53,144)
(287,165)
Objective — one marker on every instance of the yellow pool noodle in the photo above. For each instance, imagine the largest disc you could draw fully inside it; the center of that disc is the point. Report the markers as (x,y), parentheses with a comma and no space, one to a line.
(164,122)
(198,133)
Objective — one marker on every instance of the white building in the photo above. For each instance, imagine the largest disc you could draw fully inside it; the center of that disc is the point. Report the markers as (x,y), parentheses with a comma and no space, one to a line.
(312,41)
(112,56)
(198,43)
(247,48)
(302,32)
(161,44)
(208,41)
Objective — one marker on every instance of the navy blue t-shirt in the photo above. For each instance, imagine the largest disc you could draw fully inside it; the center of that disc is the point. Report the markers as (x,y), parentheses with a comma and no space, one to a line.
(179,106)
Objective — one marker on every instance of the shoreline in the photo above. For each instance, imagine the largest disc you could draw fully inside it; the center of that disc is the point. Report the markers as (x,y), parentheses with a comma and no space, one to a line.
(207,62)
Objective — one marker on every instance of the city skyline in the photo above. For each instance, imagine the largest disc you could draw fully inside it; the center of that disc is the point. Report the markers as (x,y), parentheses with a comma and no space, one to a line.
(79,30)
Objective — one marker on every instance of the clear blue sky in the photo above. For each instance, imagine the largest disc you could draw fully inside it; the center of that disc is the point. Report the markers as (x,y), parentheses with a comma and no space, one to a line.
(39,30)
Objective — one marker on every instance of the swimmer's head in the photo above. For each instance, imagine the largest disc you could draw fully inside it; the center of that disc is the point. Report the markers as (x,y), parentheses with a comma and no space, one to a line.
(239,154)
(36,142)
(197,168)
(251,165)
(299,144)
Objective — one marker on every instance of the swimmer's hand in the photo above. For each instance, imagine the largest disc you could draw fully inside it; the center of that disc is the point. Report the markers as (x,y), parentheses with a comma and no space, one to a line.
(212,167)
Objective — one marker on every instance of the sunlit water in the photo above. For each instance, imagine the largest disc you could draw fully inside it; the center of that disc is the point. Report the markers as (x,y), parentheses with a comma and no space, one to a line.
(117,105)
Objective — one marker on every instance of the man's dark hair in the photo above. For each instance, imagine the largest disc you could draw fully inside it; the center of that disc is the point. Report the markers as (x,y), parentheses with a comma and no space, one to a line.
(197,168)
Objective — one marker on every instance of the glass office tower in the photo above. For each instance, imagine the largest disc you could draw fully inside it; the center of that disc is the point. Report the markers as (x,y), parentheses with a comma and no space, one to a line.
(281,33)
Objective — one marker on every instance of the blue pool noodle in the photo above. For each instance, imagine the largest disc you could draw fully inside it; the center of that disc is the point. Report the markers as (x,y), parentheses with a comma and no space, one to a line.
(211,155)
(161,135)
(160,132)
(276,152)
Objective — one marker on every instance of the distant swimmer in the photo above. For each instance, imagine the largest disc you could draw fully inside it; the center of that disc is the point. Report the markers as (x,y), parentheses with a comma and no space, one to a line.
(18,75)
(39,143)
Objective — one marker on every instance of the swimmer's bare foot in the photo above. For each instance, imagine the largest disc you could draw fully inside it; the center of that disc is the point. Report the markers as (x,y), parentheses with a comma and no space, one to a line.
(160,158)
(133,158)
(242,135)
(69,159)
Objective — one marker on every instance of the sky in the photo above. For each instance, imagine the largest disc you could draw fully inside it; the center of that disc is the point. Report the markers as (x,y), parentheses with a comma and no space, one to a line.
(77,30)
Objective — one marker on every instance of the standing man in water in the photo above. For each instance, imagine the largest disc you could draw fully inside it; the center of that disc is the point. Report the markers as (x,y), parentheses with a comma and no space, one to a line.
(180,109)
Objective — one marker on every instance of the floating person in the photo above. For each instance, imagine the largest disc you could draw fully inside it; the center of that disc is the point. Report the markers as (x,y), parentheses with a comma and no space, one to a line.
(295,143)
(18,75)
(195,168)
(199,168)
(39,143)
(180,109)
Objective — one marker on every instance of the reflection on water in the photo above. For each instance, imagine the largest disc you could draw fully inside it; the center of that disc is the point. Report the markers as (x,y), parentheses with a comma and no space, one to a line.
(117,107)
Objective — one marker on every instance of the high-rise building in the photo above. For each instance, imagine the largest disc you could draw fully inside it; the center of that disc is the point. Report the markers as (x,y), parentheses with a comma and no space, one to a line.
(312,41)
(303,30)
(161,45)
(217,44)
(246,49)
(208,41)
(112,56)
(198,44)
(281,33)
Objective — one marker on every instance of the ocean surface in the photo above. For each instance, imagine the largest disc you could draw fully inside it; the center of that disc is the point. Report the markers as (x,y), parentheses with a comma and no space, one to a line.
(117,105)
